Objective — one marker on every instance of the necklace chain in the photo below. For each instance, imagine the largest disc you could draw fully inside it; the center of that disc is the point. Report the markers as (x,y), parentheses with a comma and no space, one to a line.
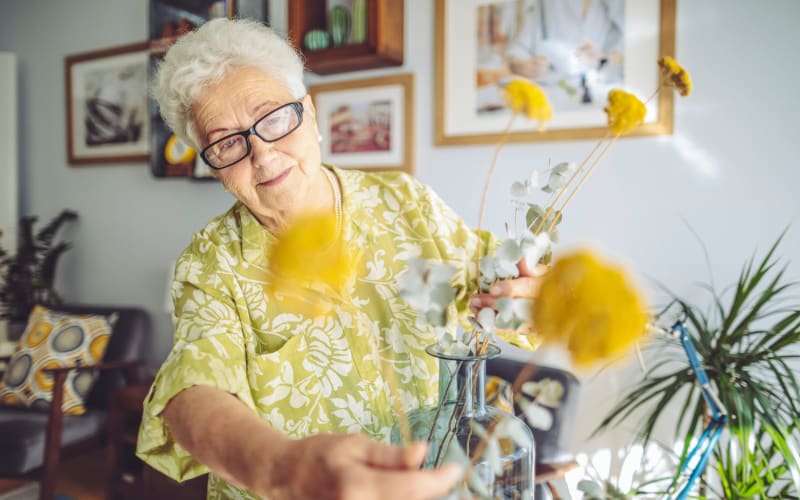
(337,199)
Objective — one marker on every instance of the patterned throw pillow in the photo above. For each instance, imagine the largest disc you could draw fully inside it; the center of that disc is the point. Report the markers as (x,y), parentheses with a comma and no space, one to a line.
(51,340)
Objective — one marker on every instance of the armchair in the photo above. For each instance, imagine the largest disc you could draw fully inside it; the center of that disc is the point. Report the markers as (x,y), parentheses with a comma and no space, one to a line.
(33,442)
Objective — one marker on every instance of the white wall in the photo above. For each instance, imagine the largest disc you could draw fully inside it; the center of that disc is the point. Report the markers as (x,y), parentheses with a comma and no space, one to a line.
(730,170)
(131,225)
(8,157)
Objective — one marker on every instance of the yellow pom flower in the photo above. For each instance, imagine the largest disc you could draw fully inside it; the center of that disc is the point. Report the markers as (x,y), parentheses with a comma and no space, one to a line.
(308,256)
(524,96)
(625,111)
(590,306)
(674,75)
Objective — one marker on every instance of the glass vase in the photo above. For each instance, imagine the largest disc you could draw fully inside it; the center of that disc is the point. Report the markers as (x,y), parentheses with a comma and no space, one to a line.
(457,428)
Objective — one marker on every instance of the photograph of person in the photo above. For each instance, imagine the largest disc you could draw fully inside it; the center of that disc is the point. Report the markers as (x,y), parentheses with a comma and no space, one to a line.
(572,48)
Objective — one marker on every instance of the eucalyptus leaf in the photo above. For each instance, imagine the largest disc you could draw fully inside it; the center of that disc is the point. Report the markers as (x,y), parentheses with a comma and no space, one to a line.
(486,318)
(520,189)
(509,252)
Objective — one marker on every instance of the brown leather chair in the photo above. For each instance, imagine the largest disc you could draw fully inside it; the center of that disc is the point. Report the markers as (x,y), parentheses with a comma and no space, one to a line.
(32,442)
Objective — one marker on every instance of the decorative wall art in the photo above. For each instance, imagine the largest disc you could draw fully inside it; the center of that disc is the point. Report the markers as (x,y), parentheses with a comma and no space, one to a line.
(575,50)
(367,124)
(106,94)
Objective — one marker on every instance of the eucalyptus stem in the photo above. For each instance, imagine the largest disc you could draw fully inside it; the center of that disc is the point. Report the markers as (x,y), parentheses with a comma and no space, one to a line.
(449,433)
(441,406)
(582,181)
(563,189)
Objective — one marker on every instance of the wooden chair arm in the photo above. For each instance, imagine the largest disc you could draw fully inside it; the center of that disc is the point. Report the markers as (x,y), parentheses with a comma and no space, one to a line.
(546,472)
(55,421)
(131,368)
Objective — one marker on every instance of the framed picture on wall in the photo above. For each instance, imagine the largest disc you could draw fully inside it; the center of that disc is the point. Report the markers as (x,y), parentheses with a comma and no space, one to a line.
(575,50)
(106,94)
(367,124)
(168,20)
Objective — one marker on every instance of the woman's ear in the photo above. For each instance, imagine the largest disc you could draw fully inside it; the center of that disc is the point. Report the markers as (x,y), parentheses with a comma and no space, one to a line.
(308,105)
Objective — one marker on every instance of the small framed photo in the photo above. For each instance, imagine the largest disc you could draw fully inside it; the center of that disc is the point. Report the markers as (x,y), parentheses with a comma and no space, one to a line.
(106,94)
(367,124)
(576,51)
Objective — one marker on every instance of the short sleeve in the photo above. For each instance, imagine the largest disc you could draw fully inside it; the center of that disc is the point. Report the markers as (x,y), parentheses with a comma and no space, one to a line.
(457,243)
(209,350)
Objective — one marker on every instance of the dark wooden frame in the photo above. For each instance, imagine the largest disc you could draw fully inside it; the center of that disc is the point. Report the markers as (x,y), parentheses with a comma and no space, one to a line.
(383,46)
(69,62)
(53,452)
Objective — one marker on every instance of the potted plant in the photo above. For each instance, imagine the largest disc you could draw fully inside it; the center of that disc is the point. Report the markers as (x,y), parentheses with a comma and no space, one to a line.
(26,279)
(747,345)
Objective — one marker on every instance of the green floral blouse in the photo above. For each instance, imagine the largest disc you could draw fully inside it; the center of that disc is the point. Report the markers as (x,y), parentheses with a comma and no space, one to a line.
(306,375)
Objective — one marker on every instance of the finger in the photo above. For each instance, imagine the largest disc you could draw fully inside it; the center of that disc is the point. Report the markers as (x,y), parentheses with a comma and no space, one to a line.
(387,456)
(418,484)
(535,271)
(479,301)
(526,287)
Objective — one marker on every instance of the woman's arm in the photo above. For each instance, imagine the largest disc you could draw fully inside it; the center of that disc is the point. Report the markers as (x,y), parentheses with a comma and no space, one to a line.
(225,435)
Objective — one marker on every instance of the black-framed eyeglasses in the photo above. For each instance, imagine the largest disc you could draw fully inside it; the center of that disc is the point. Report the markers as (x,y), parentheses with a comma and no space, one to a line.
(271,127)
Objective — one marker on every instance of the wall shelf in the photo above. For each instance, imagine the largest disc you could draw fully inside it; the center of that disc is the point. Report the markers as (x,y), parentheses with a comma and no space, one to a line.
(384,37)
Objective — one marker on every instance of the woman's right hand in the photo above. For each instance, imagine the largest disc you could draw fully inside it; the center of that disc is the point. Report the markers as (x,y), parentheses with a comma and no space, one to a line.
(218,430)
(354,467)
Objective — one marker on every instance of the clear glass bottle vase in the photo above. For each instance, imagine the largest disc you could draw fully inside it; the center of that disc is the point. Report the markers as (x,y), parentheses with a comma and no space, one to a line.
(502,470)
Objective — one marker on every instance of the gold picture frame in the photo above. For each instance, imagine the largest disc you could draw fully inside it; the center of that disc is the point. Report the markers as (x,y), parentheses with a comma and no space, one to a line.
(367,124)
(107,116)
(457,24)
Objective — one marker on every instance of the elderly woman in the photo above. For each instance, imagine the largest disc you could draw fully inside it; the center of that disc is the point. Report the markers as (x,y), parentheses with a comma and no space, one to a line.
(272,403)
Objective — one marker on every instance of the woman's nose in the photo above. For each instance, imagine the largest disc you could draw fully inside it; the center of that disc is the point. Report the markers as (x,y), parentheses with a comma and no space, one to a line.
(260,150)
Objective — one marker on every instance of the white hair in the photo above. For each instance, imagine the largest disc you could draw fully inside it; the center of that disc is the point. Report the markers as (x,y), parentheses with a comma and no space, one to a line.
(205,56)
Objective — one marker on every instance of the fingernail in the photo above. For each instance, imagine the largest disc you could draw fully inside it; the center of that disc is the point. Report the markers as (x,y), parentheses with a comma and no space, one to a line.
(475,302)
(495,290)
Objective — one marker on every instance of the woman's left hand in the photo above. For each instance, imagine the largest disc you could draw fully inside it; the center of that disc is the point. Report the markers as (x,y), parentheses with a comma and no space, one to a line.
(526,286)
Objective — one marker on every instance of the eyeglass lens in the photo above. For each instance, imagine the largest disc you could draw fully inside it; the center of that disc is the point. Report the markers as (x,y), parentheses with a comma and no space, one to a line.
(271,127)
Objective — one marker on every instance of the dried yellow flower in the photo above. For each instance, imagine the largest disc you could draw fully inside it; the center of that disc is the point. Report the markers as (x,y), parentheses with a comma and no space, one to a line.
(625,111)
(524,96)
(308,255)
(590,306)
(674,75)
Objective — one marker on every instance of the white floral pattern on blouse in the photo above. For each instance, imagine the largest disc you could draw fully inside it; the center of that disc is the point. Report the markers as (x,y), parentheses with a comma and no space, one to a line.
(307,375)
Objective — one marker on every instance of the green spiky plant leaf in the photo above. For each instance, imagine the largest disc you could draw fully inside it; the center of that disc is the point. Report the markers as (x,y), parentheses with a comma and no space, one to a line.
(27,278)
(748,345)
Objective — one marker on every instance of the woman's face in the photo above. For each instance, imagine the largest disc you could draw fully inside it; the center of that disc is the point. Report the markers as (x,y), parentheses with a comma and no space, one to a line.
(274,181)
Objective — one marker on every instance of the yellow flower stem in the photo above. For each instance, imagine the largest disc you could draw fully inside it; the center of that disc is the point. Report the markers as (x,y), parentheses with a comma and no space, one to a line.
(484,197)
(653,96)
(563,189)
(492,166)
(583,180)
